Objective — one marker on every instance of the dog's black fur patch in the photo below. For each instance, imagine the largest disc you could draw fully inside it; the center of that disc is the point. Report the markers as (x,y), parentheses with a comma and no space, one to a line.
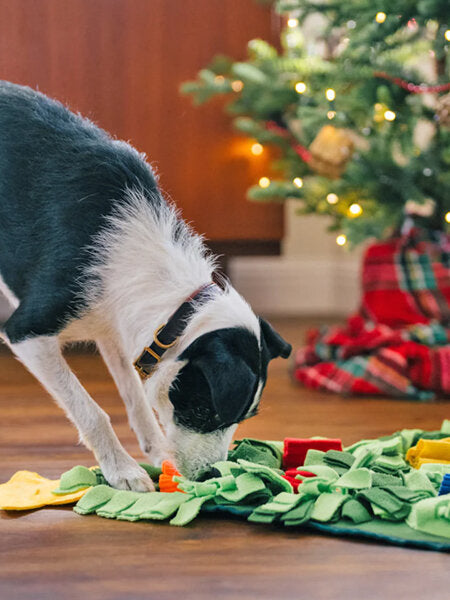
(60,176)
(218,384)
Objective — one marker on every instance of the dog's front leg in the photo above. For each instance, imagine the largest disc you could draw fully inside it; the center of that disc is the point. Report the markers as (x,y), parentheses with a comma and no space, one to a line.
(140,415)
(42,356)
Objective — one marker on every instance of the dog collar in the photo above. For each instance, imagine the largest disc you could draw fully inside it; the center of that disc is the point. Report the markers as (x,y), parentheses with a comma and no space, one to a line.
(166,335)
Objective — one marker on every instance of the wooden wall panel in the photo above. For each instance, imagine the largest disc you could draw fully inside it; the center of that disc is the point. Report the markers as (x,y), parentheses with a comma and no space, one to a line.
(121,62)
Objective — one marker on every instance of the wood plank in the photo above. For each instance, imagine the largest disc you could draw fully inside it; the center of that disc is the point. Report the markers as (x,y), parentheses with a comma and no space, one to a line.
(54,552)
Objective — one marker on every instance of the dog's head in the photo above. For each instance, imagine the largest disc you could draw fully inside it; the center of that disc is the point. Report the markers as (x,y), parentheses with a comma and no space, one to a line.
(219,380)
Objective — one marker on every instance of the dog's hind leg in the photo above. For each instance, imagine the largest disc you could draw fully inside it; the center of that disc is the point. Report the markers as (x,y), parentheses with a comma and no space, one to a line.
(43,358)
(140,415)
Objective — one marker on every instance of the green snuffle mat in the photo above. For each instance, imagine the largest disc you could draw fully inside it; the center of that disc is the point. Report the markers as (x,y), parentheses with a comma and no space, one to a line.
(367,490)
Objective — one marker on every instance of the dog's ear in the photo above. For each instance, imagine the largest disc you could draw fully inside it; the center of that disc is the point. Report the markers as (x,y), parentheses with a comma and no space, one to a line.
(231,383)
(219,366)
(273,341)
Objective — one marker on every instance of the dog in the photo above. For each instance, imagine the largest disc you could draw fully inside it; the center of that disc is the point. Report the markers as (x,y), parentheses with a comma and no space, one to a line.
(90,250)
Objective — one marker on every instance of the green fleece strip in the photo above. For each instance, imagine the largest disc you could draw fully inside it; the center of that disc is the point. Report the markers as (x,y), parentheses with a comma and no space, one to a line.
(167,506)
(322,471)
(257,451)
(327,506)
(143,505)
(314,457)
(93,499)
(357,479)
(300,514)
(245,484)
(432,516)
(189,510)
(355,511)
(417,480)
(121,500)
(75,479)
(275,482)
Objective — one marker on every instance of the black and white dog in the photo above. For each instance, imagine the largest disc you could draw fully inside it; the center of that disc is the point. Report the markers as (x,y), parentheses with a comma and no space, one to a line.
(90,250)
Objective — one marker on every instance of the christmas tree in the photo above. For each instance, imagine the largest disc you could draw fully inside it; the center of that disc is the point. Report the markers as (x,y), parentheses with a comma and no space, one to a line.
(359,113)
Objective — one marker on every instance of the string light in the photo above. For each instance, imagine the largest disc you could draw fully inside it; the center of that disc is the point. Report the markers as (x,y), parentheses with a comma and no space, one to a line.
(257,149)
(341,240)
(298,182)
(237,85)
(219,78)
(264,182)
(355,209)
(300,87)
(447,217)
(447,35)
(389,115)
(331,114)
(380,17)
(330,94)
(332,198)
(292,23)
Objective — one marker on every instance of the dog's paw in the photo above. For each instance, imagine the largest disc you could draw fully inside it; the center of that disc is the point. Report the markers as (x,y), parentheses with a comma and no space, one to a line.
(128,475)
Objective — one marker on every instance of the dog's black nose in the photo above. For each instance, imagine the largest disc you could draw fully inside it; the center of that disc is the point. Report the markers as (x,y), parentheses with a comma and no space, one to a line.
(208,474)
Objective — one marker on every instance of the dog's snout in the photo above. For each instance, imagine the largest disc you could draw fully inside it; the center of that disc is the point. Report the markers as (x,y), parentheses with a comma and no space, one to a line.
(208,474)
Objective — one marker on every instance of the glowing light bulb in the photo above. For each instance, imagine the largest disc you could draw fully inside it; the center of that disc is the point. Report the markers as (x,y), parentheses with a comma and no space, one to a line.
(298,182)
(341,240)
(292,22)
(264,182)
(219,78)
(332,198)
(237,85)
(355,209)
(330,94)
(389,115)
(447,35)
(331,114)
(300,87)
(257,149)
(380,17)
(447,217)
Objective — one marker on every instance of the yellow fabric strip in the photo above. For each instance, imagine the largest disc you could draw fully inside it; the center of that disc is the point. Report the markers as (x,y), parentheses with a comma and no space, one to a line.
(429,451)
(26,490)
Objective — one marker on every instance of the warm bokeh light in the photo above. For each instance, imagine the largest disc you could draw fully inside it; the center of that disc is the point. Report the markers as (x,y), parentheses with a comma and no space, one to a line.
(300,87)
(298,182)
(264,182)
(330,94)
(332,198)
(257,149)
(355,209)
(237,85)
(331,114)
(447,35)
(380,17)
(219,78)
(341,240)
(292,22)
(389,115)
(447,217)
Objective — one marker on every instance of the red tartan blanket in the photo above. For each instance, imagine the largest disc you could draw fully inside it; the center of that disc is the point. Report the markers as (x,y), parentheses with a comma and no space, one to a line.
(399,342)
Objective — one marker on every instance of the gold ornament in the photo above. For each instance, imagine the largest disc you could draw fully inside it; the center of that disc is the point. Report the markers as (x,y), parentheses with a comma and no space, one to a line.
(330,151)
(443,110)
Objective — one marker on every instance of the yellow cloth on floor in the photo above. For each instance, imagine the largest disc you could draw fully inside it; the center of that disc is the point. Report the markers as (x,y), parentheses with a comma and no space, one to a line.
(26,490)
(429,451)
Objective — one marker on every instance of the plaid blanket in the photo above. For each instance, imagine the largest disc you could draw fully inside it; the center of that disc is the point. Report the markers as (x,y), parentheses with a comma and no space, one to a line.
(398,344)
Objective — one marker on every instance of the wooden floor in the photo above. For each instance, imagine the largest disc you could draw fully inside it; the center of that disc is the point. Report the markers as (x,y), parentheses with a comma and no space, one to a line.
(54,553)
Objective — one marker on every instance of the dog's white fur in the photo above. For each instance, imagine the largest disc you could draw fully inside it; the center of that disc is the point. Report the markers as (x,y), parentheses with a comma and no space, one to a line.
(146,263)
